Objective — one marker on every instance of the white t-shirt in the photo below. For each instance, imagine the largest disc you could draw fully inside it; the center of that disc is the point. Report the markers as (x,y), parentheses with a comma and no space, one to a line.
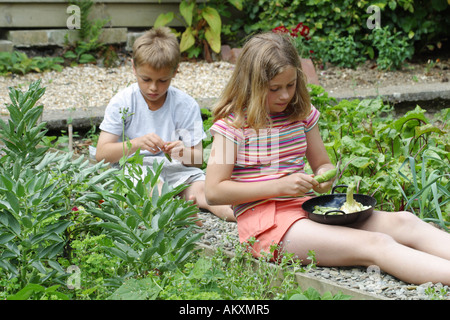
(178,119)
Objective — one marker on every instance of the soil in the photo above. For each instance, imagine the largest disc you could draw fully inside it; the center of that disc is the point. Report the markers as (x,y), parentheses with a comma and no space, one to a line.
(367,75)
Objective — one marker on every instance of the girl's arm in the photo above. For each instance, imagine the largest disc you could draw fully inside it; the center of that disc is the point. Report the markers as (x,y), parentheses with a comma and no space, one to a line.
(318,158)
(221,190)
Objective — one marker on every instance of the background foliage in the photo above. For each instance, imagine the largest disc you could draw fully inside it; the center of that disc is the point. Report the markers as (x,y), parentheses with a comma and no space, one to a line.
(418,25)
(402,161)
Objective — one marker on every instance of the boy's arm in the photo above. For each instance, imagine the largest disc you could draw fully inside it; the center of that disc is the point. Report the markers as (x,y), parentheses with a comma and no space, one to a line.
(110,149)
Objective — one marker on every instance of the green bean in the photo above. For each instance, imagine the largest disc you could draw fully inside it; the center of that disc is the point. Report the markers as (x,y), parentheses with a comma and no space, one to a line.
(328,175)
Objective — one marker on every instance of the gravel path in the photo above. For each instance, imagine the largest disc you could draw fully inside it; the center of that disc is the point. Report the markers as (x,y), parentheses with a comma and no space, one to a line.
(89,86)
(370,280)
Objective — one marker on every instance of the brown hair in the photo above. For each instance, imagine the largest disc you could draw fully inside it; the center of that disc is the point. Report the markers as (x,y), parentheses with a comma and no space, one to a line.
(263,57)
(158,48)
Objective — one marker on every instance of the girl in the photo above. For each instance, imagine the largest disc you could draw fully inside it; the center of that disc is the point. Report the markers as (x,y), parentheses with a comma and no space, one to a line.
(265,128)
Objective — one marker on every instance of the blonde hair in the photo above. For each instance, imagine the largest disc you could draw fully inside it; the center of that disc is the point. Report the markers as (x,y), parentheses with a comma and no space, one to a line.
(158,48)
(263,57)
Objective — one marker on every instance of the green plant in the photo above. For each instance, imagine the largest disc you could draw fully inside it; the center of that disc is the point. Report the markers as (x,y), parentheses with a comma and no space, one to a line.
(425,23)
(430,185)
(22,133)
(150,228)
(37,292)
(266,15)
(342,51)
(207,142)
(35,203)
(313,294)
(370,147)
(393,48)
(241,276)
(19,63)
(203,27)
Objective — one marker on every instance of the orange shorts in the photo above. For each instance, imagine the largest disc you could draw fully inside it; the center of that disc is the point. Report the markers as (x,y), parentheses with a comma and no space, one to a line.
(268,223)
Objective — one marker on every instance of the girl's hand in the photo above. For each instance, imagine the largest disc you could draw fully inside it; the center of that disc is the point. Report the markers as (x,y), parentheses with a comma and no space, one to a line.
(297,184)
(324,186)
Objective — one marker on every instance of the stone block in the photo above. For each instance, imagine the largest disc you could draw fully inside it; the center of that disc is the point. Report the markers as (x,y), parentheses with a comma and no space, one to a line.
(225,53)
(113,35)
(58,37)
(310,71)
(28,38)
(131,38)
(6,46)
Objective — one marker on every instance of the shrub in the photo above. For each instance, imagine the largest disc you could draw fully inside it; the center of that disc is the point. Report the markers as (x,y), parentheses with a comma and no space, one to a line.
(393,48)
(19,63)
(424,25)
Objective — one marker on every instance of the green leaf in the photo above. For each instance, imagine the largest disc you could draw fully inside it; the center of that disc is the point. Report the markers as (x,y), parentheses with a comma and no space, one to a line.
(165,216)
(70,55)
(200,268)
(213,18)
(213,40)
(87,58)
(163,19)
(102,176)
(187,11)
(237,4)
(26,292)
(187,39)
(137,289)
(147,254)
(5,238)
(439,5)
(427,129)
(13,201)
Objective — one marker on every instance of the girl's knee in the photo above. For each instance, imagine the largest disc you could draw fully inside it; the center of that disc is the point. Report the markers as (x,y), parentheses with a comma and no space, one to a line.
(404,220)
(377,247)
(379,240)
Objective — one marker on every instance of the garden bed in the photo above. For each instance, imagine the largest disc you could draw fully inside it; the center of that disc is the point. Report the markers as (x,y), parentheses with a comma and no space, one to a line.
(216,231)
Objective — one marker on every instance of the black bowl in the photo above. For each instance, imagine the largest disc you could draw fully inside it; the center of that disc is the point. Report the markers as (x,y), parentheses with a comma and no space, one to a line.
(336,200)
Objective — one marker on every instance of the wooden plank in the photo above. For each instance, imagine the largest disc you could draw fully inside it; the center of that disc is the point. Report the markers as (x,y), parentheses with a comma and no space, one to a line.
(53,13)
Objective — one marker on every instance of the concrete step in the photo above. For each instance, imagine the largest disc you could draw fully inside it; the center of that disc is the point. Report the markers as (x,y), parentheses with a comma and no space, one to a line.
(59,37)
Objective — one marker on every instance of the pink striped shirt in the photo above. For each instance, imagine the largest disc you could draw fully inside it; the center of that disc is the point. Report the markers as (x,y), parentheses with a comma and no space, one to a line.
(270,153)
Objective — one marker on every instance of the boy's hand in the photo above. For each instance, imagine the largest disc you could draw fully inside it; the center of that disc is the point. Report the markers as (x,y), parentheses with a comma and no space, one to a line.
(150,142)
(175,149)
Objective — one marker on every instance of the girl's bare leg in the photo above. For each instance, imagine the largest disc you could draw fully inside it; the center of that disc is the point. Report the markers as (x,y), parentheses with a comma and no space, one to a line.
(408,229)
(196,192)
(344,246)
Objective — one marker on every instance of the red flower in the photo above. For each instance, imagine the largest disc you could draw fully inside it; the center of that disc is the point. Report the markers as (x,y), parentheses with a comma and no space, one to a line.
(304,31)
(75,209)
(280,29)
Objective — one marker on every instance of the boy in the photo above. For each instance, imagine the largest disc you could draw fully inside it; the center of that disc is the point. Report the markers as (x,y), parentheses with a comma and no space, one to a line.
(158,118)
